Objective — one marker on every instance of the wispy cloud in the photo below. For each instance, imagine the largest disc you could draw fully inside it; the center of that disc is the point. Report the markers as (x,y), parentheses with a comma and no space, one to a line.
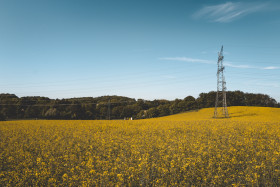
(271,67)
(229,11)
(186,59)
(226,63)
(229,64)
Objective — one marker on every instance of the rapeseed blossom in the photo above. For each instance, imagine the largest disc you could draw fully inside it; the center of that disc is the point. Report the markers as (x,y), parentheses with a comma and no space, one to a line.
(185,149)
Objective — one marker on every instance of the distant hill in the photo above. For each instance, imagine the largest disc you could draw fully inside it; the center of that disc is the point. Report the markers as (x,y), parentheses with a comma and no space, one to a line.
(239,113)
(13,107)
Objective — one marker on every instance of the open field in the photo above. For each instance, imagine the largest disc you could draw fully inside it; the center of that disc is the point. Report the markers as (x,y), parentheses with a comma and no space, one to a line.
(185,149)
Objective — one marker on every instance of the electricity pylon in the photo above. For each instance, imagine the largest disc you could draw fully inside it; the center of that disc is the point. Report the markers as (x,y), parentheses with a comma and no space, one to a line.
(221,100)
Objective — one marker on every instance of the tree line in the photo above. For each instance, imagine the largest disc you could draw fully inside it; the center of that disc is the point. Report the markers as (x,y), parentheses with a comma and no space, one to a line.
(13,107)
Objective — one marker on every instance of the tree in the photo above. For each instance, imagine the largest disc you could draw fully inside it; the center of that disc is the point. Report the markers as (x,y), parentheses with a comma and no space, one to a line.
(141,114)
(152,112)
(2,116)
(52,113)
(163,110)
(117,112)
(13,107)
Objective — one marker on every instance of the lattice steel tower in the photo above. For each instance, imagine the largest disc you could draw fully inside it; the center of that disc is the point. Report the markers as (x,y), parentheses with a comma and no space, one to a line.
(221,100)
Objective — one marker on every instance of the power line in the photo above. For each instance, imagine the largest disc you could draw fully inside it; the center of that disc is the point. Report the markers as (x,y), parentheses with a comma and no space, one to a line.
(70,104)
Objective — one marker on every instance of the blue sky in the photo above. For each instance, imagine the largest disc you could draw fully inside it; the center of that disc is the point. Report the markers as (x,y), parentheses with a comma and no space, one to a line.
(146,49)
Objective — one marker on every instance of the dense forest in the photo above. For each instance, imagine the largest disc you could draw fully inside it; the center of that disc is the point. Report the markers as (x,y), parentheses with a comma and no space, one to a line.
(117,107)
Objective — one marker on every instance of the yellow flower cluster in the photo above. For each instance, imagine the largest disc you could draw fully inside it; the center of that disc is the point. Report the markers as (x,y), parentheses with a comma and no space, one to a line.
(186,149)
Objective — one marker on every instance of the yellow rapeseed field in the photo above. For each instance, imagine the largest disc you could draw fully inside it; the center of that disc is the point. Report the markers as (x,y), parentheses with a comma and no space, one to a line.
(180,150)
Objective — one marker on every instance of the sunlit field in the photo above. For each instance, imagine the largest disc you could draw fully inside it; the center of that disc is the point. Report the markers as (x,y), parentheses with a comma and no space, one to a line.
(185,149)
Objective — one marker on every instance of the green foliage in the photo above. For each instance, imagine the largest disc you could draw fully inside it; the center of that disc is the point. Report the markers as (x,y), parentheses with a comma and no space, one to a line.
(13,107)
(2,116)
